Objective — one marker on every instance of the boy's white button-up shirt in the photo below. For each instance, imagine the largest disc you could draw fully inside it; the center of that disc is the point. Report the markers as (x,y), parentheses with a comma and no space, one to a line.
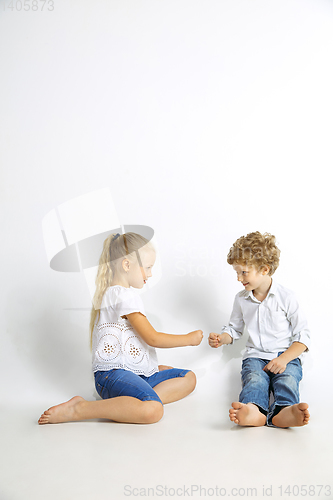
(273,324)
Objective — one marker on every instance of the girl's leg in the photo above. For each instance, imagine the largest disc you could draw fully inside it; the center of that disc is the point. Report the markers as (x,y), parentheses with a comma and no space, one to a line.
(125,409)
(175,389)
(126,398)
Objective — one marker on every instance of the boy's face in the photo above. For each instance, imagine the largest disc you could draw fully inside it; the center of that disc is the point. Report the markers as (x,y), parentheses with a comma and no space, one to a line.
(250,277)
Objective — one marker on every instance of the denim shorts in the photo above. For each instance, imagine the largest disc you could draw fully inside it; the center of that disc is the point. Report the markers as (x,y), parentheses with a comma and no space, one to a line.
(119,382)
(257,385)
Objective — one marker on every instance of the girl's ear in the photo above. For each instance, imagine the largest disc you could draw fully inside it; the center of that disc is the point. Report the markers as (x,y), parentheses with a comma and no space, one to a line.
(125,265)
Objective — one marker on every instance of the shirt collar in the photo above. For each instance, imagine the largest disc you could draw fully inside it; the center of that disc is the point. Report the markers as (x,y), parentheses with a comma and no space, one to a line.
(272,291)
(273,288)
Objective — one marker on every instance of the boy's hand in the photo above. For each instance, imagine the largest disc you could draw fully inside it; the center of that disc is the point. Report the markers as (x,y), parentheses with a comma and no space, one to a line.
(215,340)
(276,365)
(194,338)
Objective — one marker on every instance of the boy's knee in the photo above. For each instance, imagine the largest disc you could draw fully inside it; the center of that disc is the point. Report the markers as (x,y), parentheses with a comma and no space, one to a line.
(254,377)
(288,381)
(152,412)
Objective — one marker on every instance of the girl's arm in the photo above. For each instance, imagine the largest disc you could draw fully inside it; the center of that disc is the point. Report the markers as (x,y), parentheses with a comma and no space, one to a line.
(157,339)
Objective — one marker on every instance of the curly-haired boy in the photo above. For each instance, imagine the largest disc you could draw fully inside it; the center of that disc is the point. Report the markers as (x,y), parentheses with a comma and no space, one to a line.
(278,335)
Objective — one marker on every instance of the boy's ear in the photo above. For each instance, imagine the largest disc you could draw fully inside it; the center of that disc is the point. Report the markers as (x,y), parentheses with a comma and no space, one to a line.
(265,270)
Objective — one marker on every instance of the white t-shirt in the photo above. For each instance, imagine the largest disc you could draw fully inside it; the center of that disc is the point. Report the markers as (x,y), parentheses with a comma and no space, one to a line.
(115,343)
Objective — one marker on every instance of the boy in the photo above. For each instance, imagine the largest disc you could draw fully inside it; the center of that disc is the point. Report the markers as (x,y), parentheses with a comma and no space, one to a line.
(278,335)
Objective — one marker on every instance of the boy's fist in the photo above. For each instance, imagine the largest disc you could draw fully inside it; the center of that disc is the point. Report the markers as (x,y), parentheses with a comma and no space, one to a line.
(216,339)
(195,337)
(276,365)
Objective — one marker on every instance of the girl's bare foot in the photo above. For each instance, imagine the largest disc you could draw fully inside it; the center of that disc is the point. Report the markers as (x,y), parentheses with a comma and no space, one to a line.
(246,414)
(292,416)
(64,412)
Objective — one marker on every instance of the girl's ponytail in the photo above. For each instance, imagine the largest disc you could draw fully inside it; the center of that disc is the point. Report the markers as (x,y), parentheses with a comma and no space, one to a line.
(115,246)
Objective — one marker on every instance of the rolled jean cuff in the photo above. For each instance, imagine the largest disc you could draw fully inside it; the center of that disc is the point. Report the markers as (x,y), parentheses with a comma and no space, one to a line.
(274,411)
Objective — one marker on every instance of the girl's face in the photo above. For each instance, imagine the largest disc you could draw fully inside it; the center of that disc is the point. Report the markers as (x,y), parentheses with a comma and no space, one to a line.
(141,269)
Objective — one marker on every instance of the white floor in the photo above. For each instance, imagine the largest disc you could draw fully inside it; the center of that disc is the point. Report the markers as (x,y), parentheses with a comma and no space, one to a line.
(193,452)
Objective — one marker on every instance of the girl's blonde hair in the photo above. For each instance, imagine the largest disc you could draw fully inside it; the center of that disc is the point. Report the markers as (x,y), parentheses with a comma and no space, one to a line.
(255,249)
(115,247)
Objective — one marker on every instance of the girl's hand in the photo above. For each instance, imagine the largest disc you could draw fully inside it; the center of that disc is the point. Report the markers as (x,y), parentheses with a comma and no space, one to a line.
(194,338)
(164,367)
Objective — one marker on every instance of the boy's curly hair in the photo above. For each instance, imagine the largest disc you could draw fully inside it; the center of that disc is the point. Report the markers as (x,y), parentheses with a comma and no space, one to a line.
(255,249)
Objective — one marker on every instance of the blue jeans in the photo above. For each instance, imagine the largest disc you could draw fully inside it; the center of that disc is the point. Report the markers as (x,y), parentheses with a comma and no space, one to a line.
(119,382)
(257,385)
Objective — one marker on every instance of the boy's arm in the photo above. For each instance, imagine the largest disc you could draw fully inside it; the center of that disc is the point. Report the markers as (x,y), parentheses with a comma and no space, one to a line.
(300,337)
(231,332)
(296,317)
(279,364)
(158,339)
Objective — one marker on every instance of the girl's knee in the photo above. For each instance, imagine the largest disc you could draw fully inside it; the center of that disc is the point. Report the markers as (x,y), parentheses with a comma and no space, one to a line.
(152,412)
(191,380)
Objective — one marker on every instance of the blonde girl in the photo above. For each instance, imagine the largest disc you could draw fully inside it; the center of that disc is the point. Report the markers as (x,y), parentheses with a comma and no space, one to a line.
(132,385)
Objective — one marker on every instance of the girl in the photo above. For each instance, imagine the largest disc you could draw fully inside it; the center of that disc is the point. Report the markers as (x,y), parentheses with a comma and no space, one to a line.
(132,386)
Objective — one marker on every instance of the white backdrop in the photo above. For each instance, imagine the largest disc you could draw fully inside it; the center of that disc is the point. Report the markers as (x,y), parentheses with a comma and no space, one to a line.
(206,120)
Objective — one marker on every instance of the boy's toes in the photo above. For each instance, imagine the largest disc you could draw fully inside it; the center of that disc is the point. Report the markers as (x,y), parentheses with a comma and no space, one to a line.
(306,414)
(303,406)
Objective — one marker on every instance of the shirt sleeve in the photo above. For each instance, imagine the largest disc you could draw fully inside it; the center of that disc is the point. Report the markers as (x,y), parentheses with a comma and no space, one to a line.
(296,317)
(236,324)
(129,302)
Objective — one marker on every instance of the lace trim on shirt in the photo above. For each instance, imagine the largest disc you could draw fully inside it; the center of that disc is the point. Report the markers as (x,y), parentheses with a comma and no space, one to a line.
(124,366)
(109,346)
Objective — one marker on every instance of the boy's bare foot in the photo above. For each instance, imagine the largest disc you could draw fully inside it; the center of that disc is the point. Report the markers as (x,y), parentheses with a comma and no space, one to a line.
(246,414)
(292,416)
(65,412)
